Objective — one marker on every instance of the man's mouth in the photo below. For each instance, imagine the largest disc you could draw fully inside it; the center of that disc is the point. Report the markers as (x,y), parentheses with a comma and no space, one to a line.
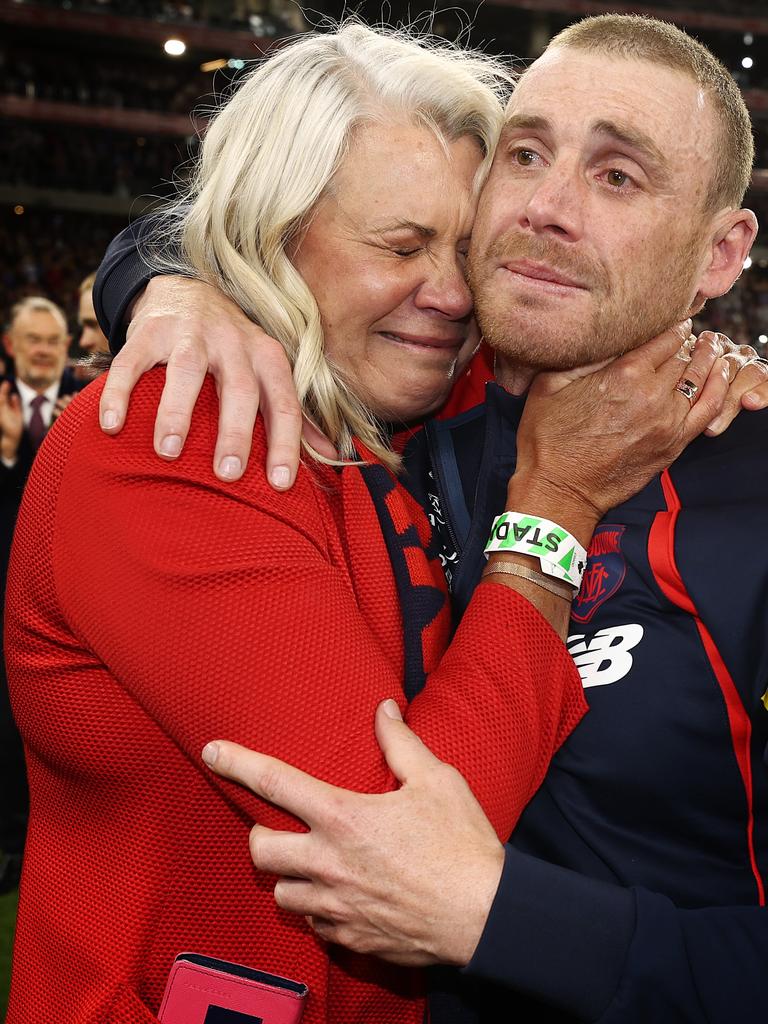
(542,275)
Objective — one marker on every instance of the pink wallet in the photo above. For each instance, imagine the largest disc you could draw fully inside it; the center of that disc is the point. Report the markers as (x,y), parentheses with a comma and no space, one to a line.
(204,990)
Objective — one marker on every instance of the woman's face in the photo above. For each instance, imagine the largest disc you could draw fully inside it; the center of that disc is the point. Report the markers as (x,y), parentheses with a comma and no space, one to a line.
(384,256)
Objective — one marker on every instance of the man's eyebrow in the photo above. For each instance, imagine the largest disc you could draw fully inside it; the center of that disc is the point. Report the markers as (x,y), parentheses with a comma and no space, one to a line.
(632,137)
(406,225)
(533,122)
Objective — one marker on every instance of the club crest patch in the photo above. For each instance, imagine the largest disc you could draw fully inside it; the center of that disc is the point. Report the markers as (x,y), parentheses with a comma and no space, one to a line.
(604,574)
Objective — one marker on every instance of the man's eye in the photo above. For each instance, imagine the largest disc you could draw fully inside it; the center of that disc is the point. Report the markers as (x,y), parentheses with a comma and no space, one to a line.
(406,252)
(524,157)
(617,178)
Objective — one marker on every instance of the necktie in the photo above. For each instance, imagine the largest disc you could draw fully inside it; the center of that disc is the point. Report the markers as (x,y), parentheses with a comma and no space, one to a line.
(37,428)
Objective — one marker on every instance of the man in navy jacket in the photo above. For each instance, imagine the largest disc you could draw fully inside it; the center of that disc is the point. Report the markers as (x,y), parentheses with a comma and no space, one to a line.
(633,889)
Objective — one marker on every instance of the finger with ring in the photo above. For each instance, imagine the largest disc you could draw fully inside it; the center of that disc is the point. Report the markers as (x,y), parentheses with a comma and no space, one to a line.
(687,389)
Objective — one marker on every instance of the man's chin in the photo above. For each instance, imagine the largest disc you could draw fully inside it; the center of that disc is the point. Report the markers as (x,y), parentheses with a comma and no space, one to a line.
(543,351)
(41,383)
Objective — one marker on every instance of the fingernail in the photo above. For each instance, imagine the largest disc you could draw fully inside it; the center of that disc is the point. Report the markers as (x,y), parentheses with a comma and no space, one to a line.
(753,399)
(391,710)
(280,476)
(716,426)
(210,753)
(109,419)
(229,467)
(170,446)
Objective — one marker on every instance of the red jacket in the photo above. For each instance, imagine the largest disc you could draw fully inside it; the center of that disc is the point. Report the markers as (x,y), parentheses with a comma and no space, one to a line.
(152,608)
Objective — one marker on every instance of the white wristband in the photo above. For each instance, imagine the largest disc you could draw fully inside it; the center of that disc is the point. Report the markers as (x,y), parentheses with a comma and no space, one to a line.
(559,553)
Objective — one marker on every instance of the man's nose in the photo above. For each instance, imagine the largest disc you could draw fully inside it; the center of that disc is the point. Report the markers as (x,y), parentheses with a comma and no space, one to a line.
(446,290)
(556,204)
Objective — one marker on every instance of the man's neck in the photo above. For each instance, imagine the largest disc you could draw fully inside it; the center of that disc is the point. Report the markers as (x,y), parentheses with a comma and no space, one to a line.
(512,376)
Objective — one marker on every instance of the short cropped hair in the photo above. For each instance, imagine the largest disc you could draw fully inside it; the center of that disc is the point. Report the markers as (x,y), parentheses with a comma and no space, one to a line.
(641,38)
(37,304)
(270,155)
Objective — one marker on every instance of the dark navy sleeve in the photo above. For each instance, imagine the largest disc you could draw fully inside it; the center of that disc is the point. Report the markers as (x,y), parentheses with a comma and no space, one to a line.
(120,277)
(613,955)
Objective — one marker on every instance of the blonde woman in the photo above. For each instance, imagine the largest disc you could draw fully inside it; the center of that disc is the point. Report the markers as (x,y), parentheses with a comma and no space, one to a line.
(153,606)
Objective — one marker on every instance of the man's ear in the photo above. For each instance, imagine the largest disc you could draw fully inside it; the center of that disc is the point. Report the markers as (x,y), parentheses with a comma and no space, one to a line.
(7,343)
(730,247)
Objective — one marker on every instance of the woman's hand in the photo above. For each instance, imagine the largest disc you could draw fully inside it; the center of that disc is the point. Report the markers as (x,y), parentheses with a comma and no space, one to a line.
(748,375)
(592,441)
(196,329)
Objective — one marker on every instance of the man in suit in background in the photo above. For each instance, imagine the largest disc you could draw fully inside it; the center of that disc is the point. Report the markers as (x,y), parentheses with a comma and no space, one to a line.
(37,338)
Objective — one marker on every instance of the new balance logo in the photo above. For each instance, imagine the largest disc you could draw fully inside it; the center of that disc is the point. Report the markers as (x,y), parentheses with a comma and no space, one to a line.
(605,658)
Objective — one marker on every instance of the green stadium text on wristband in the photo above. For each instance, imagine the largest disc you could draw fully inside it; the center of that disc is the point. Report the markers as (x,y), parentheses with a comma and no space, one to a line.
(559,553)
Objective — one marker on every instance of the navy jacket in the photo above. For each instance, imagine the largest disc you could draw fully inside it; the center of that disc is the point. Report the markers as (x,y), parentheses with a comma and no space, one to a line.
(634,884)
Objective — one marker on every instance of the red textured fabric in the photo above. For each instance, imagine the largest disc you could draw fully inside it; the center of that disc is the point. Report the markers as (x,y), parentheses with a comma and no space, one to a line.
(152,608)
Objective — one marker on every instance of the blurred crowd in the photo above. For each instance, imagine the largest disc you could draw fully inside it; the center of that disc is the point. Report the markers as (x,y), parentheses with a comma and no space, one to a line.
(49,253)
(88,160)
(120,83)
(262,17)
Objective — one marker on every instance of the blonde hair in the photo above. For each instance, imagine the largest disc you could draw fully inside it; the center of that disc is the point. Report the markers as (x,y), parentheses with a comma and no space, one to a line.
(641,38)
(271,153)
(86,285)
(37,304)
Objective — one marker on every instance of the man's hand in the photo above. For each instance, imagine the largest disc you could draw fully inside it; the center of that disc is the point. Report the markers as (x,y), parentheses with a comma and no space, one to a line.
(11,422)
(748,375)
(196,329)
(408,876)
(596,438)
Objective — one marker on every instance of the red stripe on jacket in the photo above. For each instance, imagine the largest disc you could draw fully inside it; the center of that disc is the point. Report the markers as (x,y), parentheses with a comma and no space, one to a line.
(661,554)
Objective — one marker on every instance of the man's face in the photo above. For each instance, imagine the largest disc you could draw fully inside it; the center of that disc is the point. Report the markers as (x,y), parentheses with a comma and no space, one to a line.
(92,338)
(591,233)
(38,343)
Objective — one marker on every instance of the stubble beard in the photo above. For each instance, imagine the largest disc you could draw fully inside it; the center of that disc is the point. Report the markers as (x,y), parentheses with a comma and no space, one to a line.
(529,335)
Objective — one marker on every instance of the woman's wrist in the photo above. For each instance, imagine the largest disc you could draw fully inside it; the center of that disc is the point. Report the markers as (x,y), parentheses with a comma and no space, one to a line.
(535,495)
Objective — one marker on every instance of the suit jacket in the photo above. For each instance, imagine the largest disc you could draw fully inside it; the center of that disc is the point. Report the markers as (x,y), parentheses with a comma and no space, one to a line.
(12,480)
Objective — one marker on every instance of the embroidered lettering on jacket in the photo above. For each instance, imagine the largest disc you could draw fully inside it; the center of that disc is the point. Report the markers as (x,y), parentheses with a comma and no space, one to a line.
(605,572)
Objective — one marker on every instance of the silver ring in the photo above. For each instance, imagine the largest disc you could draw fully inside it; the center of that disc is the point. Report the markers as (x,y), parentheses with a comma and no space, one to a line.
(687,389)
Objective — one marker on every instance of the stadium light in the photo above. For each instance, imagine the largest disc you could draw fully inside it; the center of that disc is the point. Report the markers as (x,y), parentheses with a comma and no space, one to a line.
(174,47)
(746,63)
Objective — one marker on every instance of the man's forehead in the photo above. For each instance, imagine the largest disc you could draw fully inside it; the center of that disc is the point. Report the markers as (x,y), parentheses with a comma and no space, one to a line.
(39,322)
(574,89)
